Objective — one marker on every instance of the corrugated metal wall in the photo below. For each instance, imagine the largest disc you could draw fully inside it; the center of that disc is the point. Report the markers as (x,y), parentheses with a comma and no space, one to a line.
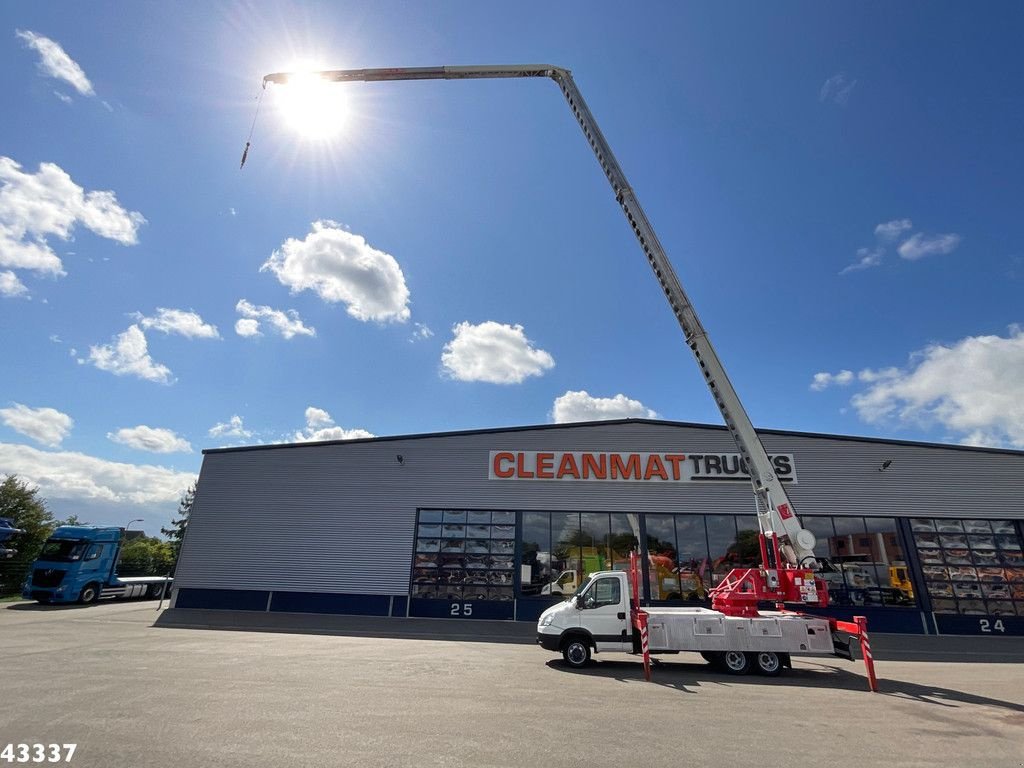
(340,517)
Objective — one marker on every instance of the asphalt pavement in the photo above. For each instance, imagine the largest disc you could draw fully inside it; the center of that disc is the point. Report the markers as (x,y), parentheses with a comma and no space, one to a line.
(132,694)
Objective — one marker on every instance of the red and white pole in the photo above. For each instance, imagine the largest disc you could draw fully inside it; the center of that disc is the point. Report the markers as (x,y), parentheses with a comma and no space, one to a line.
(865,648)
(645,645)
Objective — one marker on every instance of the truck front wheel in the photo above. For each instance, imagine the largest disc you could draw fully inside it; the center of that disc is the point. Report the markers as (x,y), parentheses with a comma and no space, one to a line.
(90,594)
(576,652)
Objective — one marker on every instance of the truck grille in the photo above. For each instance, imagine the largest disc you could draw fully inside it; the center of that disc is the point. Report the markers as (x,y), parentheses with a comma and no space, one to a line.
(47,577)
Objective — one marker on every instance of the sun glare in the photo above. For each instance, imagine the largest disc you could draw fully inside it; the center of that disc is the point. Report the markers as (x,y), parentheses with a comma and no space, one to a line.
(313,107)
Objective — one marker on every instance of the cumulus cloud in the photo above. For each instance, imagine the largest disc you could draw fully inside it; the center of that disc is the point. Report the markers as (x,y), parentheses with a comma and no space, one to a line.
(921,245)
(288,324)
(188,324)
(911,248)
(68,475)
(47,426)
(341,267)
(10,285)
(128,355)
(893,230)
(54,62)
(152,439)
(837,89)
(866,258)
(580,406)
(48,203)
(233,427)
(494,353)
(421,332)
(824,379)
(320,426)
(973,389)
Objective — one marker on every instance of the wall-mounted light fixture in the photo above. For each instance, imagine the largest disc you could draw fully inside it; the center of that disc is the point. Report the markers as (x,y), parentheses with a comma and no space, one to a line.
(885,465)
(400,458)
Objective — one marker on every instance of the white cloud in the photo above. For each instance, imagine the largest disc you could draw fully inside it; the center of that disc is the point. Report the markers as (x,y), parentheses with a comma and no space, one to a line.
(893,230)
(580,406)
(128,354)
(837,89)
(973,388)
(54,62)
(921,245)
(421,332)
(494,353)
(288,324)
(152,439)
(866,258)
(47,426)
(824,379)
(63,97)
(320,426)
(10,285)
(188,324)
(67,475)
(233,427)
(35,206)
(340,266)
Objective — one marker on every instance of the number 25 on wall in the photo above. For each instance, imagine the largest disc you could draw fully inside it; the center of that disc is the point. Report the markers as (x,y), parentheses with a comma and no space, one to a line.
(984,624)
(466,609)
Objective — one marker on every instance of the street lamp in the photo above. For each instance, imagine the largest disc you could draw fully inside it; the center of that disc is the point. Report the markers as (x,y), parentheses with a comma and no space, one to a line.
(776,514)
(136,520)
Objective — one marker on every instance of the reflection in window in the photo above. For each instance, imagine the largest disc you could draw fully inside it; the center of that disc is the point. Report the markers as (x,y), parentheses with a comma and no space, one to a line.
(694,563)
(971,566)
(461,555)
(662,566)
(721,540)
(567,557)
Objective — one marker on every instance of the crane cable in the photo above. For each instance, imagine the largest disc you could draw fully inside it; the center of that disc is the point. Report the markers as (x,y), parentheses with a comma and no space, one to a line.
(259,101)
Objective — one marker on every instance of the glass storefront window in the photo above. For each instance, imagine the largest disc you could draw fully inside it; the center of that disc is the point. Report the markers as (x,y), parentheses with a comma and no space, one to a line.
(971,567)
(567,556)
(464,555)
(721,544)
(662,556)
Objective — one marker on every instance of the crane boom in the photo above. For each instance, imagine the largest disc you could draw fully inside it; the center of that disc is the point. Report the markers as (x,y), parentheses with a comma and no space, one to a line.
(776,515)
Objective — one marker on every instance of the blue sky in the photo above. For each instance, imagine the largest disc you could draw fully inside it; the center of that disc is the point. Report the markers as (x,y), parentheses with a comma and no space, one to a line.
(838,186)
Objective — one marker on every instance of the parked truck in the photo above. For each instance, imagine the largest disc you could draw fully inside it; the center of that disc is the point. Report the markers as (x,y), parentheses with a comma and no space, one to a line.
(602,617)
(79,564)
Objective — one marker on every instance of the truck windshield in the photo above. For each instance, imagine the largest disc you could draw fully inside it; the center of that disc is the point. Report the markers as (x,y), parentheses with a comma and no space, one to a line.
(62,550)
(583,587)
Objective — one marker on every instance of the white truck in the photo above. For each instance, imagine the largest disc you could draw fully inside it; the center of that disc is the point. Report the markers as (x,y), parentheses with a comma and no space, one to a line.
(600,617)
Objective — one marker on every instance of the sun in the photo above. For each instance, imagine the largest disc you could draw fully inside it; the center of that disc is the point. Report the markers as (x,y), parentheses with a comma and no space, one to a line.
(313,107)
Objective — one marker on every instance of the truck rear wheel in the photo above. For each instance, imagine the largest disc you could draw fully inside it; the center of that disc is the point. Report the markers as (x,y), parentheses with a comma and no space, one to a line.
(156,591)
(90,594)
(736,662)
(768,663)
(576,652)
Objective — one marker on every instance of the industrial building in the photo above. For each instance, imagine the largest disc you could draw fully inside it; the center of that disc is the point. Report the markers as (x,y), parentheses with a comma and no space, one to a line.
(499,524)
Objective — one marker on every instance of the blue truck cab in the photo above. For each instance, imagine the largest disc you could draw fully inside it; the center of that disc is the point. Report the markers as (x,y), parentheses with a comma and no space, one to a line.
(79,564)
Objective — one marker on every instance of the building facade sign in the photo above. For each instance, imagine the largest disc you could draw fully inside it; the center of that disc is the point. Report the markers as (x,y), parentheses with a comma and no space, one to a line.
(598,466)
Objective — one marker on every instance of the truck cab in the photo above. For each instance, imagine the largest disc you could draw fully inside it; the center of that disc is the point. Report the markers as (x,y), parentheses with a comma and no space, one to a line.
(78,564)
(598,614)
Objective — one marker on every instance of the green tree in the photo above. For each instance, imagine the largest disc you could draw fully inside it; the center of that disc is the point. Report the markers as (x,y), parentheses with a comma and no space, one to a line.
(177,530)
(24,506)
(146,556)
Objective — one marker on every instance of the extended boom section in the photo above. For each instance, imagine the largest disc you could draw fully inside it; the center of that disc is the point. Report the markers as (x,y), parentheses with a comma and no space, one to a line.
(786,574)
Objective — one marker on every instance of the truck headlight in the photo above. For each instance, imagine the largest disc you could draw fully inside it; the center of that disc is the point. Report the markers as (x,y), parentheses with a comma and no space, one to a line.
(546,621)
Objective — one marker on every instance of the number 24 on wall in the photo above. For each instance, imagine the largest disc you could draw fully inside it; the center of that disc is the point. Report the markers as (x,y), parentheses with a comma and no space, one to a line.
(461,609)
(988,626)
